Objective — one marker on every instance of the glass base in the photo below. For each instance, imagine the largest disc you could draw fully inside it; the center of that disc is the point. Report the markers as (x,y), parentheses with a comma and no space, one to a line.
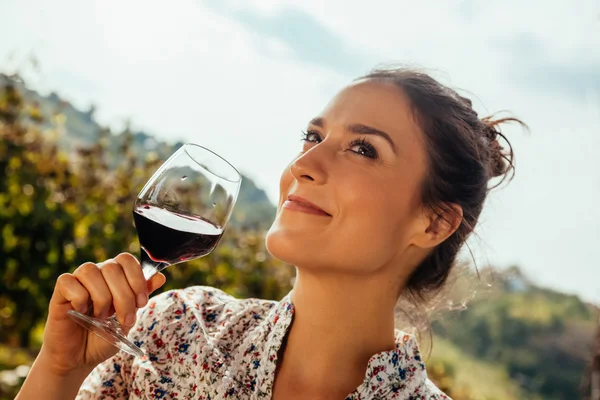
(109,330)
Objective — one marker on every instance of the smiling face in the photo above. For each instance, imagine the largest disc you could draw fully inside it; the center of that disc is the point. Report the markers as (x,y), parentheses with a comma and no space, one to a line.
(350,201)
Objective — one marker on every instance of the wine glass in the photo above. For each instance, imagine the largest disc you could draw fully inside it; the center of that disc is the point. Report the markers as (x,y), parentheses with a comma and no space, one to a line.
(179,215)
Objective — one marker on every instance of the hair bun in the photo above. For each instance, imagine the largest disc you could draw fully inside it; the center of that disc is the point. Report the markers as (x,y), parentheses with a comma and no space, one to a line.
(498,163)
(501,160)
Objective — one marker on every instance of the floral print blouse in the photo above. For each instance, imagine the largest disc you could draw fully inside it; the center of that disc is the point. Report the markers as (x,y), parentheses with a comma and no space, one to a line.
(204,344)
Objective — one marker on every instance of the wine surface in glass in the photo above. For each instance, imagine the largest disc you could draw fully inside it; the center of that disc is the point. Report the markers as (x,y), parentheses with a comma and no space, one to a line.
(171,238)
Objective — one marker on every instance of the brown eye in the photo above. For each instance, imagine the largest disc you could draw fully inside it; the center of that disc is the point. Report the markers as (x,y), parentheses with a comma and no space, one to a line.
(364,149)
(311,136)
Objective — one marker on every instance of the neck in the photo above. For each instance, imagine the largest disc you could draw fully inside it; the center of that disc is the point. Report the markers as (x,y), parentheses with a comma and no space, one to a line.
(340,322)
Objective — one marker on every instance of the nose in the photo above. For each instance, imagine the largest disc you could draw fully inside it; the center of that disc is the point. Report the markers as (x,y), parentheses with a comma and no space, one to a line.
(310,166)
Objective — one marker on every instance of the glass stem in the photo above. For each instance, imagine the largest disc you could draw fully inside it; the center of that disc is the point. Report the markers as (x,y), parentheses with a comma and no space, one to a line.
(149,266)
(150,269)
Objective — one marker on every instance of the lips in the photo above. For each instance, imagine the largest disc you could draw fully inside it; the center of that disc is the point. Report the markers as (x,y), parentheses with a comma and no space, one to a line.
(297,203)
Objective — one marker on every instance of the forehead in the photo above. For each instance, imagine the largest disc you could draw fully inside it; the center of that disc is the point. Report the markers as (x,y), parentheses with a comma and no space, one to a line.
(380,105)
(377,104)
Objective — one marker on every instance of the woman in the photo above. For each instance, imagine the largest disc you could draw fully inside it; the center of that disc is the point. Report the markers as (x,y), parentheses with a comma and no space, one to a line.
(391,180)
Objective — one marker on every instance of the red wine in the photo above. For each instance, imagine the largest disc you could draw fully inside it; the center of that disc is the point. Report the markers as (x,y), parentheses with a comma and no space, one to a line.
(169,238)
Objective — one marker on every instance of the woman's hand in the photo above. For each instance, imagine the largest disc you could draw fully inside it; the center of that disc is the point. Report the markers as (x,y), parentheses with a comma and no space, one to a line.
(117,284)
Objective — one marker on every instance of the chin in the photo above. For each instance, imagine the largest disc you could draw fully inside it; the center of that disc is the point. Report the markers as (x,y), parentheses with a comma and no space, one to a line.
(292,246)
(308,247)
(281,244)
(303,249)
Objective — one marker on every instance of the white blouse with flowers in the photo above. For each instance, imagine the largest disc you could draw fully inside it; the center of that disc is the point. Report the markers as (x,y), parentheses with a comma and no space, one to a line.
(204,344)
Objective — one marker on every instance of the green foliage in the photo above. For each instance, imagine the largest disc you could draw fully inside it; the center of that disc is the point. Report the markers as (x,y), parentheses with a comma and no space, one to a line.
(464,377)
(541,338)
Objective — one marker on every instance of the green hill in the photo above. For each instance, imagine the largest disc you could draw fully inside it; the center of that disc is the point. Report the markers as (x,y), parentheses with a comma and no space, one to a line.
(539,338)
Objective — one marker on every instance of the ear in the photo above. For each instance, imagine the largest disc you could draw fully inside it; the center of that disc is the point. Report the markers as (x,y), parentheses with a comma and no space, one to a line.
(438,224)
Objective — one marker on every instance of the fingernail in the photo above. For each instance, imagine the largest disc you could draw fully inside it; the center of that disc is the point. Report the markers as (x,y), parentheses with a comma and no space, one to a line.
(142,299)
(129,319)
(83,309)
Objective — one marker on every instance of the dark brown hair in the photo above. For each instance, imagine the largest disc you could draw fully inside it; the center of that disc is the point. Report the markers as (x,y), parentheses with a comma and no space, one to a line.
(464,153)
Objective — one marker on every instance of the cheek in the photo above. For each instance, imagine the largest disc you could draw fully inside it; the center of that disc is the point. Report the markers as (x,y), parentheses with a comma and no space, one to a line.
(370,210)
(370,197)
(374,221)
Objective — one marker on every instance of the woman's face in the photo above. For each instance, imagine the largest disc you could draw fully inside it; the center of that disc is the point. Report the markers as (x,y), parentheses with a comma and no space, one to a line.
(350,201)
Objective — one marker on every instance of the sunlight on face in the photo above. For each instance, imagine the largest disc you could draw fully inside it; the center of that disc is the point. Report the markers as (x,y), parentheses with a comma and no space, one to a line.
(348,201)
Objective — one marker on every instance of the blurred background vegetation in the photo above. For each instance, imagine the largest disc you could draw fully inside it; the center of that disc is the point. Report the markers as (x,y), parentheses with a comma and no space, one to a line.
(66,191)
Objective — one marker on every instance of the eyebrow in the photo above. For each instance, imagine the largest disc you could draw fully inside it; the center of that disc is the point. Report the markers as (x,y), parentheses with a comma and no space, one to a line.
(359,129)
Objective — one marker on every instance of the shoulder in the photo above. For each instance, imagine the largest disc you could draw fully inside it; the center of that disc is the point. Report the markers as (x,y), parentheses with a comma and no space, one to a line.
(426,389)
(206,303)
(413,374)
(198,314)
(193,297)
(186,334)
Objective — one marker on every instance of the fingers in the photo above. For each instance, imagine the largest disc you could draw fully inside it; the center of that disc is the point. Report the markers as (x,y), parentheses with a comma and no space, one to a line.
(123,297)
(114,285)
(91,278)
(69,289)
(135,277)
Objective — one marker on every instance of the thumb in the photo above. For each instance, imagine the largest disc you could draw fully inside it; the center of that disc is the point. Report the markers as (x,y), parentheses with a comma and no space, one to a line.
(156,281)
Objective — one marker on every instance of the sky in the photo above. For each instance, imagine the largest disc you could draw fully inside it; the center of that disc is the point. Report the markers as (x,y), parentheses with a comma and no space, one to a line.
(244,77)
